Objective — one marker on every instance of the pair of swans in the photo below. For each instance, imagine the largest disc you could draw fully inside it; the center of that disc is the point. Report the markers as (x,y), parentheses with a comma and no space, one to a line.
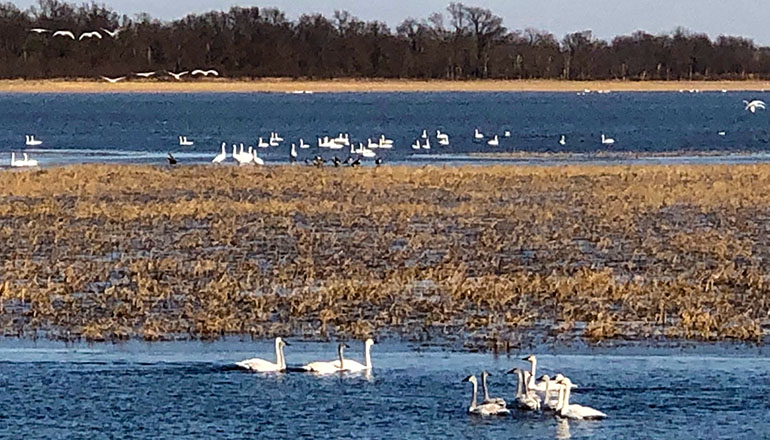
(341,364)
(489,406)
(26,162)
(337,366)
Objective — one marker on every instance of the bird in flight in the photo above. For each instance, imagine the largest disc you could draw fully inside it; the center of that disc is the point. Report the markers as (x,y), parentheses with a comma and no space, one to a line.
(145,74)
(205,72)
(93,34)
(64,34)
(178,76)
(112,34)
(39,30)
(755,105)
(113,80)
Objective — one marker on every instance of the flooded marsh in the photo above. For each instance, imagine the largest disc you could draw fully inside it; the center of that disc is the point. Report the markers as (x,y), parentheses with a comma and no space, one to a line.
(487,258)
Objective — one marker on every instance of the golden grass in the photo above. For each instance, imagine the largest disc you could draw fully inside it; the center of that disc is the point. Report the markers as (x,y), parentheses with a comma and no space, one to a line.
(280,85)
(492,257)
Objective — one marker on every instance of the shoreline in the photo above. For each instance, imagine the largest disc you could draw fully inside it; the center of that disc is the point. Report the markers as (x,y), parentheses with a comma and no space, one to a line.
(281,85)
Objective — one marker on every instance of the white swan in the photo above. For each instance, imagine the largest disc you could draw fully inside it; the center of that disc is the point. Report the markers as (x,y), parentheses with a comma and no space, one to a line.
(256,159)
(485,409)
(354,366)
(303,145)
(574,411)
(485,390)
(205,72)
(183,141)
(563,140)
(31,141)
(26,162)
(343,139)
(264,366)
(219,158)
(92,34)
(262,144)
(416,145)
(293,154)
(607,140)
(177,76)
(525,399)
(112,34)
(385,142)
(478,135)
(755,105)
(424,134)
(426,145)
(507,133)
(113,80)
(494,142)
(39,30)
(443,138)
(66,34)
(145,74)
(336,366)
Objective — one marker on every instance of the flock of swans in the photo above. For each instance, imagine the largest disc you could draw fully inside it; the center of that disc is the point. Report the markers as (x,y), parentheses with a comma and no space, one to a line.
(543,394)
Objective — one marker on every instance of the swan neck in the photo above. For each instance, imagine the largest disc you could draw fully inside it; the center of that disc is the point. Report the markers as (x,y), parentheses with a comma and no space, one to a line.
(484,388)
(368,357)
(278,353)
(474,395)
(342,360)
(519,381)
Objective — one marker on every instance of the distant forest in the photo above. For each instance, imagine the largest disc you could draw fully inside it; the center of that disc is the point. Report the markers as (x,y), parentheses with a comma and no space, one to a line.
(462,42)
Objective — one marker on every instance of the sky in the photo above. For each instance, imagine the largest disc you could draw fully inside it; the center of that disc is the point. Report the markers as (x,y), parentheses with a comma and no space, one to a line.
(606,18)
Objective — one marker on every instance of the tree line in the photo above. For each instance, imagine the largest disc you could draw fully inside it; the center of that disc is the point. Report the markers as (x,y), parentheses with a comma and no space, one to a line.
(463,42)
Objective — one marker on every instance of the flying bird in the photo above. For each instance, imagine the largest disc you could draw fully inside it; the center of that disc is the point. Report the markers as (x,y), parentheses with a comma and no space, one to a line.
(64,34)
(145,74)
(112,34)
(39,30)
(205,72)
(755,105)
(92,34)
(178,76)
(113,80)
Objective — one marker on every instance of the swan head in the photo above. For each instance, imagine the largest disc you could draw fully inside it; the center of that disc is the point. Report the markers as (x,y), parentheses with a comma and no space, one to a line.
(471,379)
(369,342)
(485,374)
(545,378)
(281,342)
(513,371)
(530,358)
(564,381)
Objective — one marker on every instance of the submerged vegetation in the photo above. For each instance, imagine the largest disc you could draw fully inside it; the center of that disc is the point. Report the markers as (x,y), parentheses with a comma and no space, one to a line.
(489,257)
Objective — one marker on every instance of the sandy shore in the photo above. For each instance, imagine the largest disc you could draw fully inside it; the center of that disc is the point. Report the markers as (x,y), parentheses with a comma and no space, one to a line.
(348,85)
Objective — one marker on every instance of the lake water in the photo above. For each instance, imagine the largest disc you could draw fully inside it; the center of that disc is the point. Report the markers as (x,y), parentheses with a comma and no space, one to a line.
(141,128)
(189,390)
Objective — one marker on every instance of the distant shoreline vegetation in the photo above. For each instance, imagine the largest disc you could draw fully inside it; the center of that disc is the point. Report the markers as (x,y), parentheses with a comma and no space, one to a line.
(461,43)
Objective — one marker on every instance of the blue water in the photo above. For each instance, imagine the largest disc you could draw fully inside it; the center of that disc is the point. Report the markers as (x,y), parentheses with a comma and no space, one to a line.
(189,390)
(137,128)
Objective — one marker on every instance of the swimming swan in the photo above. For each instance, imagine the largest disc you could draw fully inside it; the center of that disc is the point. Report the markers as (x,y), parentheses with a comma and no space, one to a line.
(354,366)
(485,409)
(525,399)
(264,366)
(607,141)
(330,367)
(219,158)
(574,411)
(494,142)
(485,390)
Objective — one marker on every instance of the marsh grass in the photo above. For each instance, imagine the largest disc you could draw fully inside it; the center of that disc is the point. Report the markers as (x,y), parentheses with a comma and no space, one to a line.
(488,257)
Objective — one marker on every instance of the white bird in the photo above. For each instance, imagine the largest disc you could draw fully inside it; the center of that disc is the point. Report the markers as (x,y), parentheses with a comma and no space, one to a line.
(113,80)
(112,34)
(416,144)
(342,139)
(256,159)
(485,409)
(525,398)
(262,144)
(31,141)
(219,158)
(426,145)
(336,366)
(485,390)
(722,133)
(303,145)
(424,134)
(529,377)
(353,366)
(385,142)
(607,140)
(755,105)
(183,141)
(26,162)
(563,140)
(574,411)
(92,34)
(205,72)
(64,34)
(507,134)
(495,141)
(370,144)
(552,386)
(478,135)
(39,30)
(243,158)
(276,137)
(264,366)
(178,76)
(273,141)
(145,74)
(443,138)
(293,154)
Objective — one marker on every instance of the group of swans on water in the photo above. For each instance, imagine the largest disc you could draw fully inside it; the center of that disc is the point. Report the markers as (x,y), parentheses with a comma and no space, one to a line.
(242,157)
(532,395)
(339,365)
(423,142)
(30,141)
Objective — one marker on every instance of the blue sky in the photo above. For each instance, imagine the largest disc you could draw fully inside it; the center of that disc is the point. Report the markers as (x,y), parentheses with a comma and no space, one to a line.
(607,18)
